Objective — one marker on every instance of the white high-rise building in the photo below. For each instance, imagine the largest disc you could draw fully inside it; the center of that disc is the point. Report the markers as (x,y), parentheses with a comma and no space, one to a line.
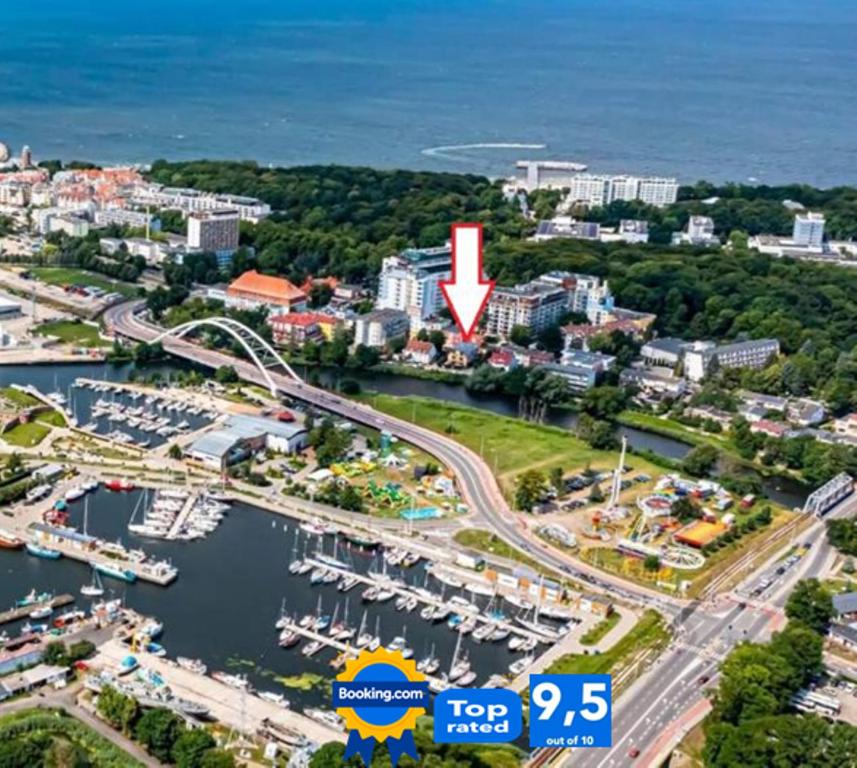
(809,230)
(597,190)
(410,281)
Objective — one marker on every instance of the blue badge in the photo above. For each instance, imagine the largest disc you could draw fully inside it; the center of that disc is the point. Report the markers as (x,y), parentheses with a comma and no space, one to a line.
(480,716)
(570,711)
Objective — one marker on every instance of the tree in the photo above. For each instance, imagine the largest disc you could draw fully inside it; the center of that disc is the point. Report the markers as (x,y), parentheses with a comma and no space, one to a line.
(365,357)
(605,402)
(14,463)
(684,509)
(520,335)
(191,746)
(701,460)
(811,604)
(217,758)
(802,648)
(158,730)
(118,710)
(175,451)
(438,338)
(556,478)
(330,443)
(226,374)
(652,563)
(529,489)
(599,434)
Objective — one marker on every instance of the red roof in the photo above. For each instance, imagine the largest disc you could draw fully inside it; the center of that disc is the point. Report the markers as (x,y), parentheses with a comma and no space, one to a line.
(501,357)
(303,319)
(265,287)
(770,427)
(415,345)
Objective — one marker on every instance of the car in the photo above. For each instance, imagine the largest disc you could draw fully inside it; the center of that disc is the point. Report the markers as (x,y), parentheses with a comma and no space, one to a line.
(703,679)
(633,752)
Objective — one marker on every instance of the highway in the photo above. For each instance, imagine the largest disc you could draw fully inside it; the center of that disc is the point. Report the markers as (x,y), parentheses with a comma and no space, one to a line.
(477,484)
(652,714)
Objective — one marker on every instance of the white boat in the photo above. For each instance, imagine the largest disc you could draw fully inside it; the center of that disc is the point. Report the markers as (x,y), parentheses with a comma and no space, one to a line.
(192,665)
(521,665)
(95,588)
(75,493)
(326,717)
(275,698)
(41,612)
(466,679)
(233,681)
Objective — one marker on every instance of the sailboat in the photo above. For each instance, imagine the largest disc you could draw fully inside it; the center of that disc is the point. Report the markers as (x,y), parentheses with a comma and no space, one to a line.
(460,666)
(95,588)
(363,637)
(430,664)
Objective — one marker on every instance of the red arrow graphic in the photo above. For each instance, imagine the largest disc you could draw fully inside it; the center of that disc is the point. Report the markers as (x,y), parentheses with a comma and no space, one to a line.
(467,292)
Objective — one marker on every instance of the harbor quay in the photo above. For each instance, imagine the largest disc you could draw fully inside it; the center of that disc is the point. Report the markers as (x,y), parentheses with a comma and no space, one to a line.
(232,707)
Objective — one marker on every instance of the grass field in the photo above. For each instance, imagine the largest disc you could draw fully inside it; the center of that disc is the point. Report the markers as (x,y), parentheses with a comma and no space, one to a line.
(51,418)
(508,445)
(648,633)
(63,276)
(594,635)
(72,332)
(27,435)
(18,398)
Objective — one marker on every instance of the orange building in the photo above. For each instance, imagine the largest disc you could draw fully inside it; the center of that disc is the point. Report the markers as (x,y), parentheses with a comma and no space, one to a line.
(254,290)
(700,533)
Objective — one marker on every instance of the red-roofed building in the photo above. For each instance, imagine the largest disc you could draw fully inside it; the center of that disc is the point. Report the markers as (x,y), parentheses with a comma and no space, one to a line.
(420,352)
(254,290)
(770,428)
(503,359)
(330,282)
(300,327)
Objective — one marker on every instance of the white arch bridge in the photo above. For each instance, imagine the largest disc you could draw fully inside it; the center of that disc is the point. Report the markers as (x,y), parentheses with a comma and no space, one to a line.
(263,355)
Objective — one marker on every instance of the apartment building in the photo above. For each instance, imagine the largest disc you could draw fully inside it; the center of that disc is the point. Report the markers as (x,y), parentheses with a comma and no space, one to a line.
(194,201)
(699,359)
(595,190)
(378,328)
(125,217)
(699,231)
(535,305)
(410,281)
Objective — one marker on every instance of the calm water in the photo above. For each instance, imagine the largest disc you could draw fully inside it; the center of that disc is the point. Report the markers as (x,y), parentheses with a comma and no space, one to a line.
(721,89)
(223,611)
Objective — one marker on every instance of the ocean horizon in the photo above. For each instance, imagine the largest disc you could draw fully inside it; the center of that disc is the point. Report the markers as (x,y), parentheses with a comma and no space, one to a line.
(722,90)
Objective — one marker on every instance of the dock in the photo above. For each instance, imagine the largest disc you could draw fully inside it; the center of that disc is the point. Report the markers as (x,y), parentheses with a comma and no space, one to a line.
(181,517)
(16,614)
(424,599)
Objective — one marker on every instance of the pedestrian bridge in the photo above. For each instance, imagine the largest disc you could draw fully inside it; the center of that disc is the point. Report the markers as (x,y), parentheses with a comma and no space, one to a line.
(263,355)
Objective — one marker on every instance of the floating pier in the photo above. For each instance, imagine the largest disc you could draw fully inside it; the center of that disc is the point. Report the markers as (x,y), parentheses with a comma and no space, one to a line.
(16,614)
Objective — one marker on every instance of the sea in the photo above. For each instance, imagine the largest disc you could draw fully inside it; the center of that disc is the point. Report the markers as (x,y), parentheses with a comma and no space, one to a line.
(717,89)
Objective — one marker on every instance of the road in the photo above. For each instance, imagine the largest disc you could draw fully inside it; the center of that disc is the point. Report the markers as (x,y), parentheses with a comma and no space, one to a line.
(477,483)
(66,700)
(672,690)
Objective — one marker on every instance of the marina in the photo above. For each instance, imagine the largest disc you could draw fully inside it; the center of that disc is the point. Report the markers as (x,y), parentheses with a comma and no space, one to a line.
(46,601)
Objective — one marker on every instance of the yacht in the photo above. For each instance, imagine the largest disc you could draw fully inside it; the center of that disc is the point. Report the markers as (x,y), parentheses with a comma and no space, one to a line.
(520,666)
(192,665)
(275,698)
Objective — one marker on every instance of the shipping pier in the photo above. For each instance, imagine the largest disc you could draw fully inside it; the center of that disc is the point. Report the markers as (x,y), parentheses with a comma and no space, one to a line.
(23,611)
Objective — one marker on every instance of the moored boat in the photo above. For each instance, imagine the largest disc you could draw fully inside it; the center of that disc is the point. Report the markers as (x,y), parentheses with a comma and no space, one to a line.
(36,550)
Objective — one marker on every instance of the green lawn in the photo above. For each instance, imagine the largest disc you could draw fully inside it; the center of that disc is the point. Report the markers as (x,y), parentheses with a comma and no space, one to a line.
(27,435)
(649,632)
(508,445)
(73,332)
(51,418)
(63,276)
(597,633)
(18,398)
